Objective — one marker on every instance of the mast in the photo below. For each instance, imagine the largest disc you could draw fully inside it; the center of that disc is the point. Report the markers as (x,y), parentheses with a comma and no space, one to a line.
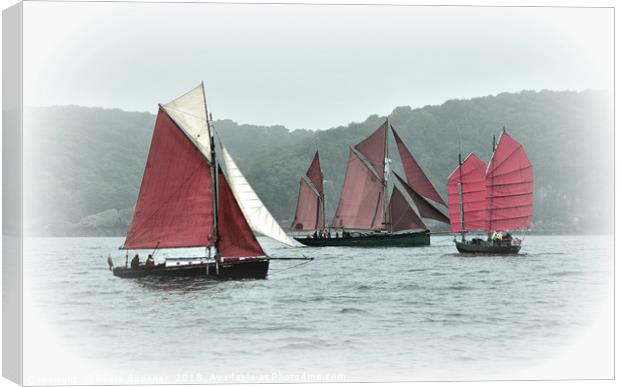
(322,195)
(386,168)
(461,204)
(491,201)
(214,174)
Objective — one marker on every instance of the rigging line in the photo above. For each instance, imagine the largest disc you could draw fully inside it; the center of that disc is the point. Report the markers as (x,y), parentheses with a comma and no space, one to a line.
(292,267)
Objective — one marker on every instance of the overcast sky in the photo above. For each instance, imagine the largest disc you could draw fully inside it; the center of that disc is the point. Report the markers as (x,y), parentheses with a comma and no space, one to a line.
(306,66)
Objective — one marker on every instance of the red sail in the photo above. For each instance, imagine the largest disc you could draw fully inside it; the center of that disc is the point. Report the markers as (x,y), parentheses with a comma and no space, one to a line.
(471,176)
(510,186)
(361,200)
(175,203)
(315,174)
(374,147)
(403,216)
(425,208)
(236,238)
(309,214)
(416,177)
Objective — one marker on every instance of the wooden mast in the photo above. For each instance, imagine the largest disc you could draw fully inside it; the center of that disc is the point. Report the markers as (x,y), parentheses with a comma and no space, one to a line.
(387,218)
(491,201)
(462,205)
(214,177)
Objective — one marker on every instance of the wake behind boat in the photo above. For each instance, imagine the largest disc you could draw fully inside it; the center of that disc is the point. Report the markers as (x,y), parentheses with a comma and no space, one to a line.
(367,215)
(492,199)
(193,195)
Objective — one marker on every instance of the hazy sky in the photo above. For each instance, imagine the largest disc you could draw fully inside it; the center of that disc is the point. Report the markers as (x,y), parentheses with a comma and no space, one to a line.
(306,66)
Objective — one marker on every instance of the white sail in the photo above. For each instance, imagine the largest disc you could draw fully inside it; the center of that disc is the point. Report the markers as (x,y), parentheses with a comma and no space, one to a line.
(190,113)
(257,215)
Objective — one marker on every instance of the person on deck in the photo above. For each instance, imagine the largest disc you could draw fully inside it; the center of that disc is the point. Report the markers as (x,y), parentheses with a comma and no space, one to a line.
(135,262)
(150,261)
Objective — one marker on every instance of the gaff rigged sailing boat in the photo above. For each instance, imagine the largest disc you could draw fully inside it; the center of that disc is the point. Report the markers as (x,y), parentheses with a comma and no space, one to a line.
(494,199)
(365,217)
(188,200)
(310,213)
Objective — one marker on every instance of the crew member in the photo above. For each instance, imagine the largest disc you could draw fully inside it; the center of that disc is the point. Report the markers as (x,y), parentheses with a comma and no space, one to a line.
(150,261)
(135,262)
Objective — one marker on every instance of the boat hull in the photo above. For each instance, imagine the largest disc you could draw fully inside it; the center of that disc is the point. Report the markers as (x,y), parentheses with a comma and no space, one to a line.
(412,239)
(240,269)
(485,248)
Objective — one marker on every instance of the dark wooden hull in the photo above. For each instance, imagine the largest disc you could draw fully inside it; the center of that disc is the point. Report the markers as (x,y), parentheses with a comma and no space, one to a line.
(486,248)
(252,268)
(372,240)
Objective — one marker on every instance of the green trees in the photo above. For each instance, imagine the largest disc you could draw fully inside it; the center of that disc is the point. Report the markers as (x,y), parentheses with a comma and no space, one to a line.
(87,162)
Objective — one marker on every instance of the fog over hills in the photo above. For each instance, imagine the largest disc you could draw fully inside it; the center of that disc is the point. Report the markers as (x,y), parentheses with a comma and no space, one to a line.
(83,166)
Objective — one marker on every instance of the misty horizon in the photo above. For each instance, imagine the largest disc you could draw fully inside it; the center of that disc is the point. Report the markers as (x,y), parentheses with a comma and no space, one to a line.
(306,66)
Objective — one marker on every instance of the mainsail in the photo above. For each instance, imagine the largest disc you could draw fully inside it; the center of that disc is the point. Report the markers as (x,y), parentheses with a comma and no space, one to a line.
(256,214)
(310,213)
(414,173)
(174,206)
(467,193)
(509,186)
(361,204)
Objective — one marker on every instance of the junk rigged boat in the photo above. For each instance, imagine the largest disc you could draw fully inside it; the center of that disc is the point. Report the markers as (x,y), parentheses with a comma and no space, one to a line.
(367,215)
(194,195)
(496,199)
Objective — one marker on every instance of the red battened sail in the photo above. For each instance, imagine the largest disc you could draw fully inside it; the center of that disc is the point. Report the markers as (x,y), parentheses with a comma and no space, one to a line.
(403,216)
(509,186)
(310,214)
(236,238)
(414,173)
(471,176)
(174,207)
(361,200)
(374,148)
(425,208)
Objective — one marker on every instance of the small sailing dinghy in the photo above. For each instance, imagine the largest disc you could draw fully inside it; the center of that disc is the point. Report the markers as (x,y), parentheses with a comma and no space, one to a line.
(494,199)
(367,215)
(193,195)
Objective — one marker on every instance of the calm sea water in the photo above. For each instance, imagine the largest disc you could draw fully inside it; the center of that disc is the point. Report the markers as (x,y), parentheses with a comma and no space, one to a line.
(349,315)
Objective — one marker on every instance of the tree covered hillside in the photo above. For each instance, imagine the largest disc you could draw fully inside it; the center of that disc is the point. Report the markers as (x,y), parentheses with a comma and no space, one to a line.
(84,165)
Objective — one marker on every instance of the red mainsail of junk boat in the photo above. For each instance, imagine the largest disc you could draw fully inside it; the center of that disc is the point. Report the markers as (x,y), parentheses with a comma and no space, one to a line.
(367,215)
(496,199)
(193,195)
